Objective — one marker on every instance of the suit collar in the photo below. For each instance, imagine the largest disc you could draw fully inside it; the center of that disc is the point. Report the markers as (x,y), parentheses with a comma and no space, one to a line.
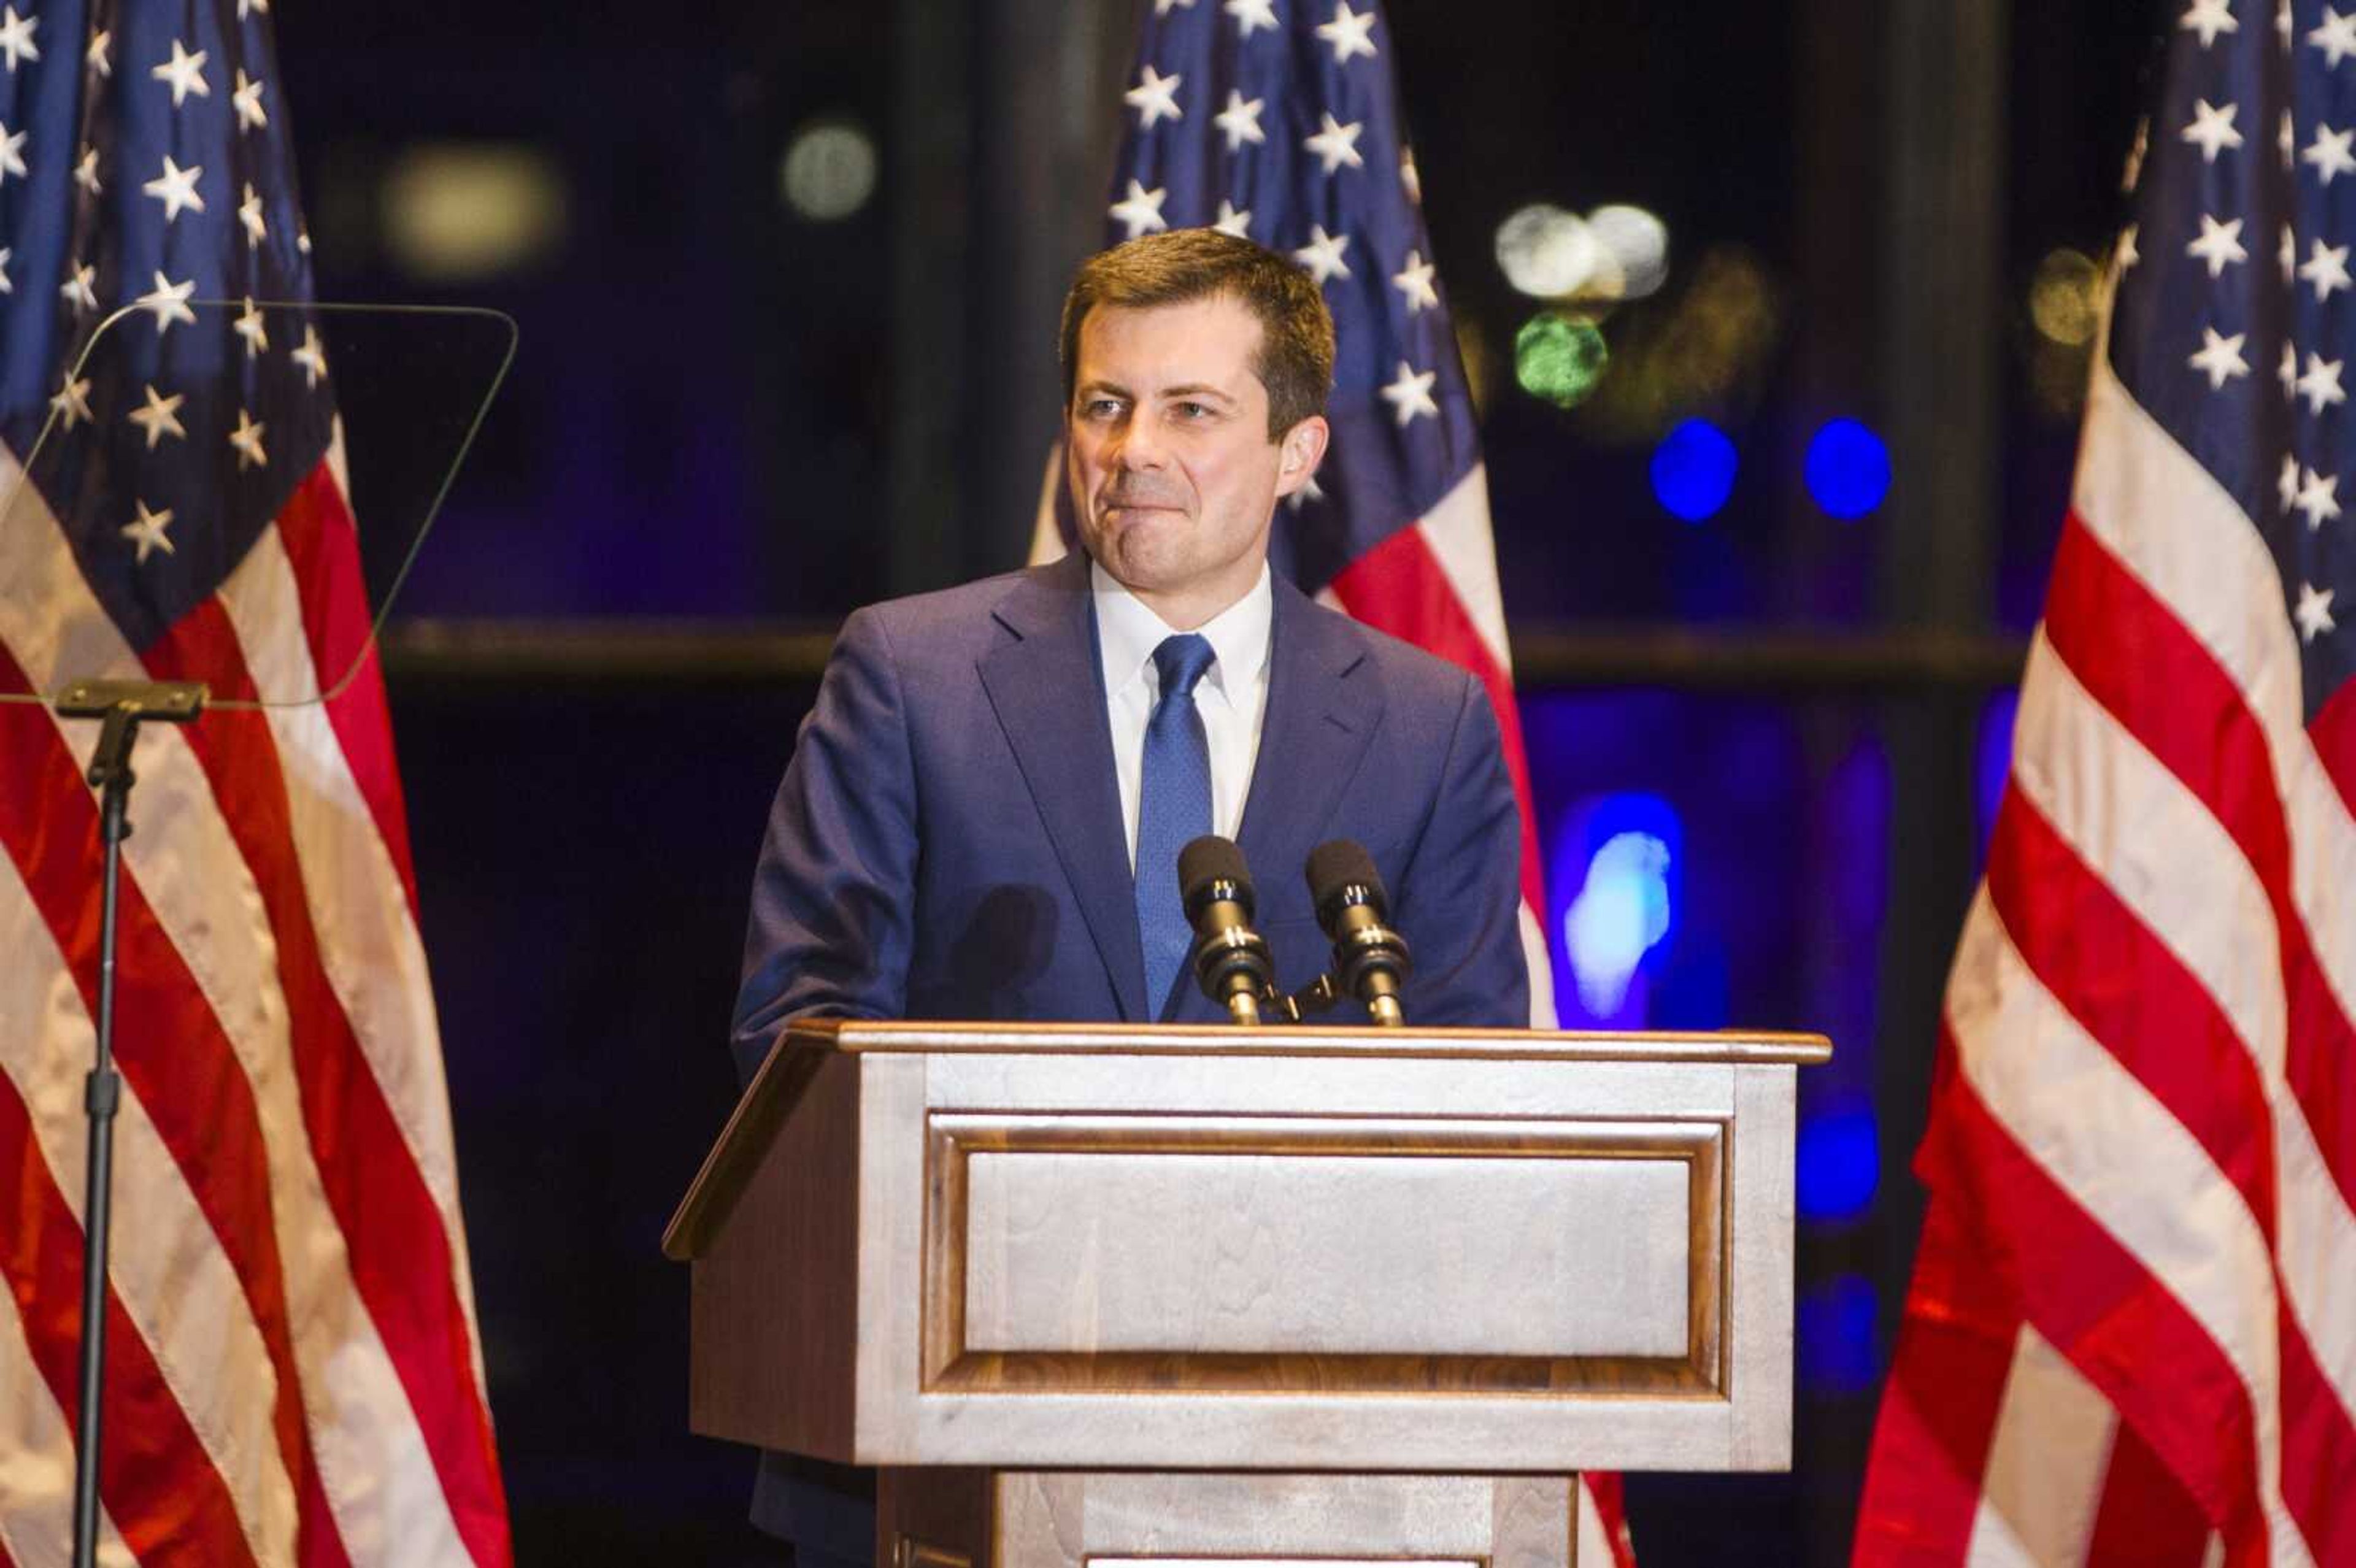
(1323,711)
(1043,684)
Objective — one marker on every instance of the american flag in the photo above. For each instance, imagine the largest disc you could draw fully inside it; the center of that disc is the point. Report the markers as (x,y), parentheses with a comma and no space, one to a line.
(1278,121)
(2132,1330)
(293,1373)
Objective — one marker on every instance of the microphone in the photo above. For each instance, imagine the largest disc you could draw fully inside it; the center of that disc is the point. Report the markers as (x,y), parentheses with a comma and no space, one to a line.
(1231,960)
(1369,956)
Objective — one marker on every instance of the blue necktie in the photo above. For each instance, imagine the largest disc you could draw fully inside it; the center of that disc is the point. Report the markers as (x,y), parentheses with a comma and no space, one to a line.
(1174,808)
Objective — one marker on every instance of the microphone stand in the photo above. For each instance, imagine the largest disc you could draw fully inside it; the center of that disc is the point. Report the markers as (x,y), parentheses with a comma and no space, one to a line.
(118,706)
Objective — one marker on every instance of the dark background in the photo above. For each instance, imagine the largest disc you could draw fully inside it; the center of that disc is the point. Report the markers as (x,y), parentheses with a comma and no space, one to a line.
(727,424)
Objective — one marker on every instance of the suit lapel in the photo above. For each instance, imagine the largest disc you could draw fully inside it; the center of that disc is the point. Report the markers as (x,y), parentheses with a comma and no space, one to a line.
(1319,724)
(1054,720)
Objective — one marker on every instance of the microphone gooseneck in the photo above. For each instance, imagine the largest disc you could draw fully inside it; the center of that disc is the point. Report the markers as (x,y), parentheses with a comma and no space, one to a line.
(1369,956)
(1231,961)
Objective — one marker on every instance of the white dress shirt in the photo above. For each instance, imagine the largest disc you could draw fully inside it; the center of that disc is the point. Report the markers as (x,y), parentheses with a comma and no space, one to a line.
(1232,696)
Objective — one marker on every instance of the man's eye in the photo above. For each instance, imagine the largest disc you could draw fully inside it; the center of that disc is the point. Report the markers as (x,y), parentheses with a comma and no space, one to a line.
(1195,410)
(1101,407)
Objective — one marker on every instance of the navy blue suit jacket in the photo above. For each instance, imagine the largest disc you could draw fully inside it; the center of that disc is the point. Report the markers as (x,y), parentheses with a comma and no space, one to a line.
(948,842)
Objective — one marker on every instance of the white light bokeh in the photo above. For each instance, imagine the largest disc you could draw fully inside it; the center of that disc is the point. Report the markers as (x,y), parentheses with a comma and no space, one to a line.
(1620,913)
(1547,252)
(829,170)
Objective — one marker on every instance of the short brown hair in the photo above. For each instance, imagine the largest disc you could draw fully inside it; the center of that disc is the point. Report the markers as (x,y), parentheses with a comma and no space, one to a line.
(1295,359)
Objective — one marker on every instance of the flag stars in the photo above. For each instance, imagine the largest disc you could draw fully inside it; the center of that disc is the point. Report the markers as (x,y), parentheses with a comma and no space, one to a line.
(2212,129)
(1323,255)
(2283,27)
(2219,245)
(2287,373)
(98,57)
(7,284)
(2286,141)
(2128,254)
(78,288)
(1141,209)
(168,302)
(313,362)
(184,72)
(2313,612)
(247,439)
(176,187)
(2220,359)
(2286,253)
(2336,38)
(2326,268)
(72,400)
(146,531)
(1231,222)
(1347,32)
(249,212)
(250,326)
(2330,153)
(2320,385)
(1155,99)
(2319,497)
(2209,18)
(1335,143)
(246,99)
(1414,283)
(1161,7)
(1252,15)
(1239,120)
(86,173)
(160,417)
(2287,482)
(17,38)
(1409,394)
(12,151)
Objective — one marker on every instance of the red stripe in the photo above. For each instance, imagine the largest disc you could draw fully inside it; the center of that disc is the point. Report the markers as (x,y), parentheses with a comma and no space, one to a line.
(1939,1408)
(2113,1320)
(170,1046)
(2334,733)
(399,1254)
(2145,1519)
(1398,587)
(322,545)
(157,1483)
(1611,1511)
(2138,661)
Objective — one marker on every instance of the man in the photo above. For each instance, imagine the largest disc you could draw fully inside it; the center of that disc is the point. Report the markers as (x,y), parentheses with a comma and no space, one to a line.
(982,816)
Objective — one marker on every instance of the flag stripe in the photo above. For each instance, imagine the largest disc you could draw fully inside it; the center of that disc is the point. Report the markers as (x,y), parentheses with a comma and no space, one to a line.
(2043,1484)
(2196,1269)
(294,812)
(157,1480)
(2145,1519)
(170,1048)
(36,1478)
(2135,659)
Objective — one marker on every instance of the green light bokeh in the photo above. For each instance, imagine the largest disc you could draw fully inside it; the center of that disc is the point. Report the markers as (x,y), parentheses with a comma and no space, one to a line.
(1558,357)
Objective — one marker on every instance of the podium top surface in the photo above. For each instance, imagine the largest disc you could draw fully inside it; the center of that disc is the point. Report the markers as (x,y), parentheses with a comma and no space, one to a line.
(1736,1046)
(810,1041)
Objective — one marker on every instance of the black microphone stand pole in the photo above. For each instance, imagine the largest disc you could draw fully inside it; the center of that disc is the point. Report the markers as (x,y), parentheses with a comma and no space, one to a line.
(118,706)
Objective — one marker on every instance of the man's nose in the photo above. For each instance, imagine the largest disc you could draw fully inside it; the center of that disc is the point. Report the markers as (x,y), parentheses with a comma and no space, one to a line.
(1141,444)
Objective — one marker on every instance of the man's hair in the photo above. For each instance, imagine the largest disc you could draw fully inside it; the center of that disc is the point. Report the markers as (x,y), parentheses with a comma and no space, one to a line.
(1295,359)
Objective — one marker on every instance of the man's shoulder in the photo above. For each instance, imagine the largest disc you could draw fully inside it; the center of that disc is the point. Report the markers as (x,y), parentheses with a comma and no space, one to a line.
(963,618)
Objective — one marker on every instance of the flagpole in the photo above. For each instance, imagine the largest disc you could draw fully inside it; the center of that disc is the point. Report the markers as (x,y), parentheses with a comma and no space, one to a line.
(119,705)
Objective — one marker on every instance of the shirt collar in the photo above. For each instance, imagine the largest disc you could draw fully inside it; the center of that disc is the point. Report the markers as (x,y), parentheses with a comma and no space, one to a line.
(1128,632)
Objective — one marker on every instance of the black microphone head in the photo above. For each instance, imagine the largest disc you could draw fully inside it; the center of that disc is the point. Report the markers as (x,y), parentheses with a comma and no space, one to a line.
(1334,868)
(1210,869)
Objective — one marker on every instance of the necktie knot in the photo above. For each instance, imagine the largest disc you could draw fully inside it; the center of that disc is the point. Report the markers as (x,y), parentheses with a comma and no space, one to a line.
(1180,660)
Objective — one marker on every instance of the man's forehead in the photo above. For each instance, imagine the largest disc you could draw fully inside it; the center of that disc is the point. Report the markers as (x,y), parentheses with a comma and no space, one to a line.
(1207,342)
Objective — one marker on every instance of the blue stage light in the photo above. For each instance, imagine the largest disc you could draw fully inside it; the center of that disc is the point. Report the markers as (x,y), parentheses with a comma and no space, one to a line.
(1693,470)
(1847,469)
(1617,875)
(1840,1164)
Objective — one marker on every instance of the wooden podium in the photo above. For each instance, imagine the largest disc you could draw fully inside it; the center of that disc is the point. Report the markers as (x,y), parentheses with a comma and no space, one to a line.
(1098,1293)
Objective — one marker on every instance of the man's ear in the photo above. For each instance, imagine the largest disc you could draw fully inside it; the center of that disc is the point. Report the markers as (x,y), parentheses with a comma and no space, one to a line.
(1299,451)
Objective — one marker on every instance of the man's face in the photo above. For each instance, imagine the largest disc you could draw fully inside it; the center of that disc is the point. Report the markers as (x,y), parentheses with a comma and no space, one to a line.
(1173,473)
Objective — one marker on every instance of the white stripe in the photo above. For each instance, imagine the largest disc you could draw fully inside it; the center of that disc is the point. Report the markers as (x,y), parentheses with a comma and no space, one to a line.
(2172,525)
(1593,1548)
(2153,842)
(175,1284)
(2118,1153)
(2048,1459)
(365,1435)
(36,1463)
(1541,965)
(1457,532)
